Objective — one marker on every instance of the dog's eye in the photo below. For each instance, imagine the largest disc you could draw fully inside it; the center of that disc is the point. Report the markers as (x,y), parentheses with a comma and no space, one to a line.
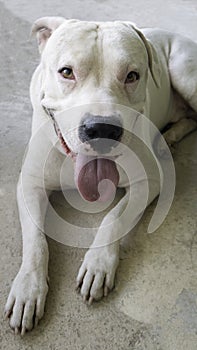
(132,77)
(66,73)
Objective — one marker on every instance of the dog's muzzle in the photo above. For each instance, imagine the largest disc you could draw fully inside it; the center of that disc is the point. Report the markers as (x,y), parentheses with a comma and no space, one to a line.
(101,132)
(97,176)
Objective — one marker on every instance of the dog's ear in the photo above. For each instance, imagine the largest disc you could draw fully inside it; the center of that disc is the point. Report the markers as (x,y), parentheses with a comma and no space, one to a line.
(44,27)
(153,61)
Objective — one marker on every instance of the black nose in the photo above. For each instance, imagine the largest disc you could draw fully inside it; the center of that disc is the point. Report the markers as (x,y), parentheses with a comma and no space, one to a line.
(98,127)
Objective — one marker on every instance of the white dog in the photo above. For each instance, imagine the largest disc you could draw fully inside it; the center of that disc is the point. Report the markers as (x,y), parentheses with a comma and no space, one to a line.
(94,67)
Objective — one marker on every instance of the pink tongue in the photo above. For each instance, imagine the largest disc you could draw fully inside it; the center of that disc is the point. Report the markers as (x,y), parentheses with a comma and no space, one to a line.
(89,173)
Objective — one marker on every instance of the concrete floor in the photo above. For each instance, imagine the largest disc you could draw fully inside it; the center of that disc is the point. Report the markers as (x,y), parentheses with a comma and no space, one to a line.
(154,305)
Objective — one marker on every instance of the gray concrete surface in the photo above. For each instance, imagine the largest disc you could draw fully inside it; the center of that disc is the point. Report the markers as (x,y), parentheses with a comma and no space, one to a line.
(154,305)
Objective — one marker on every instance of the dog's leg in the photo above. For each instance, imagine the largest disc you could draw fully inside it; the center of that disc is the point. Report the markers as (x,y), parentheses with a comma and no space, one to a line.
(179,130)
(96,275)
(97,272)
(25,304)
(173,135)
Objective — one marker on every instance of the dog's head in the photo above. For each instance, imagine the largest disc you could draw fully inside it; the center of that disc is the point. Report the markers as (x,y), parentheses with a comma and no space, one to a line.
(89,69)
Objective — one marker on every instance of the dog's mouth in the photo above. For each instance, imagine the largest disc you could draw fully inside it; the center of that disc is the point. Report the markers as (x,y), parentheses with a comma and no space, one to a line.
(64,145)
(96,177)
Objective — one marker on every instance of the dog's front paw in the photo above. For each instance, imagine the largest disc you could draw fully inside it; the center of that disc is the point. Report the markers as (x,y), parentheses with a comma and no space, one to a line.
(25,304)
(97,272)
(164,149)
